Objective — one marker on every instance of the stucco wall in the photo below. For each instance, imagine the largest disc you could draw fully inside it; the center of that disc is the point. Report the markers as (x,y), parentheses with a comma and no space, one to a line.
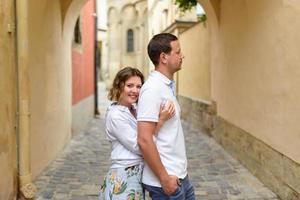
(159,17)
(114,43)
(122,16)
(50,83)
(82,114)
(50,39)
(8,166)
(83,58)
(256,80)
(83,66)
(129,19)
(194,77)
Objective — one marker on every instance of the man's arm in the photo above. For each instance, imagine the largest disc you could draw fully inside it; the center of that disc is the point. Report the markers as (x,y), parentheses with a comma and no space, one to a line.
(146,130)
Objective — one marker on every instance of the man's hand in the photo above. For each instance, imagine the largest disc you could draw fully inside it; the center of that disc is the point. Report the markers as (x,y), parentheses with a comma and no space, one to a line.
(170,184)
(151,156)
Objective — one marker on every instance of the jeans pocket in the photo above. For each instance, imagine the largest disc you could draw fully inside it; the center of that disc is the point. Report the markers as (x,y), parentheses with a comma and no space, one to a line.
(177,193)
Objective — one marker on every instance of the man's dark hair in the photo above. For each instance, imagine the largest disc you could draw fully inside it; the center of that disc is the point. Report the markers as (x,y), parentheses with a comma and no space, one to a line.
(160,43)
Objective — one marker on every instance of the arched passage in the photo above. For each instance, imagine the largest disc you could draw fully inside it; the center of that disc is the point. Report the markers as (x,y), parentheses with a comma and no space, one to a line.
(195,79)
(212,9)
(51,27)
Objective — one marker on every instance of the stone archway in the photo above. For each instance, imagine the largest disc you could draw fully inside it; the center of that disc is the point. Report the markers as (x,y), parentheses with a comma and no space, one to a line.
(70,10)
(212,9)
(196,93)
(51,24)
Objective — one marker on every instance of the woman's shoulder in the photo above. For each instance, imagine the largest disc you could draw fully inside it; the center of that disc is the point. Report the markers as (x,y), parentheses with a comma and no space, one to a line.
(115,111)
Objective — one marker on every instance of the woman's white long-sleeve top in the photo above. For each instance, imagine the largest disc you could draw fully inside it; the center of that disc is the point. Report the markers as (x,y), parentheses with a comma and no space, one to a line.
(121,130)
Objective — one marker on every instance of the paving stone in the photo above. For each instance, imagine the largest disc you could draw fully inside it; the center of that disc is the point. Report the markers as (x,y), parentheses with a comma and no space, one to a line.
(61,196)
(78,172)
(48,194)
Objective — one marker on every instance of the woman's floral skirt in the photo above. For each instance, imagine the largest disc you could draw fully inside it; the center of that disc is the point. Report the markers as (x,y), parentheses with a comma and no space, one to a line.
(123,184)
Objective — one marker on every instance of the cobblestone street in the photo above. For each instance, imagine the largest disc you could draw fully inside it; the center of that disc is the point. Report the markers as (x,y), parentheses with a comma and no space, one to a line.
(78,172)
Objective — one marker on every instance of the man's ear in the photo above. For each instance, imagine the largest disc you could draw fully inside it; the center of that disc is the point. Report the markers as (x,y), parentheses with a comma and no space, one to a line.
(163,58)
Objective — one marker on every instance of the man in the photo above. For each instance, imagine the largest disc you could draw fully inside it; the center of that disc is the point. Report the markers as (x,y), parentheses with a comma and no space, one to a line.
(165,172)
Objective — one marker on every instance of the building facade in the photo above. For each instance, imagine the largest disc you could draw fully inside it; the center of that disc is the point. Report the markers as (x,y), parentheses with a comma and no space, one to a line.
(126,36)
(102,39)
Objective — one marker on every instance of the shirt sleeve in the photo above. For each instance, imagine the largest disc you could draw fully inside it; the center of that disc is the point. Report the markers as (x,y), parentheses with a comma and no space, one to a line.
(149,105)
(126,134)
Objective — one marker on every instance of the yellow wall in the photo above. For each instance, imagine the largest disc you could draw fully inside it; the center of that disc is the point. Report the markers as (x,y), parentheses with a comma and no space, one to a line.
(256,70)
(50,78)
(50,86)
(194,77)
(8,158)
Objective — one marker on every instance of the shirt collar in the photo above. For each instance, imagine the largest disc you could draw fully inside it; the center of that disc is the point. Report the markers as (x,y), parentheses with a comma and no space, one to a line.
(121,107)
(161,77)
(168,82)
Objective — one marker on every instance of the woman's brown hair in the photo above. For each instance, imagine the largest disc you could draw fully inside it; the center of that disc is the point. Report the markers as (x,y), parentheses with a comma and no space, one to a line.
(121,77)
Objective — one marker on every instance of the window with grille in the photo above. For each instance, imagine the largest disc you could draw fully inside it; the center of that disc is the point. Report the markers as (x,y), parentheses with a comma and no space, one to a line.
(130,41)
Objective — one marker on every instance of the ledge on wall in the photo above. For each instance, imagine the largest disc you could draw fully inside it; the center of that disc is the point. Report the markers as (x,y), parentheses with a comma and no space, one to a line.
(179,25)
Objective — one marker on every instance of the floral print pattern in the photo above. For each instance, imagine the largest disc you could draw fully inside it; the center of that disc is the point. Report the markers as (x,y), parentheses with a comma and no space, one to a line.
(123,184)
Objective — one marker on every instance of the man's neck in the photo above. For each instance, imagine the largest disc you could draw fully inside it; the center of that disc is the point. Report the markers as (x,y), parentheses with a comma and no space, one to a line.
(165,72)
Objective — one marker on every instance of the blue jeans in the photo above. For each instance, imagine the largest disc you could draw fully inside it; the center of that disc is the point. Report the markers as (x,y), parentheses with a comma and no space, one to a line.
(183,192)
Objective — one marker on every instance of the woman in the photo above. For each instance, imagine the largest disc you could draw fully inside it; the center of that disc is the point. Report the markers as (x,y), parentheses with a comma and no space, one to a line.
(123,181)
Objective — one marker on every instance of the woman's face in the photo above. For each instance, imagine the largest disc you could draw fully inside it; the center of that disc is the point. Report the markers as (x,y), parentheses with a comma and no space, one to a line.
(131,90)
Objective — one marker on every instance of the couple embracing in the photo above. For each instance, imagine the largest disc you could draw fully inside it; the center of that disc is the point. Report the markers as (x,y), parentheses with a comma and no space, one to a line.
(144,128)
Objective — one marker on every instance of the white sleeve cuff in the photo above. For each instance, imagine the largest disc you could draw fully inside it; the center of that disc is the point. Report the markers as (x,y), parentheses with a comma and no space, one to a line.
(141,119)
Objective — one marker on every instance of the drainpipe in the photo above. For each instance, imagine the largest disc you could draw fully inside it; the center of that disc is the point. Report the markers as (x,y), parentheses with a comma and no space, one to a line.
(26,187)
(96,60)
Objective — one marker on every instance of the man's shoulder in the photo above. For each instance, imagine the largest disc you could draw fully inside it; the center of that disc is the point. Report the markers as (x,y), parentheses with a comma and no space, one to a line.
(152,84)
(151,89)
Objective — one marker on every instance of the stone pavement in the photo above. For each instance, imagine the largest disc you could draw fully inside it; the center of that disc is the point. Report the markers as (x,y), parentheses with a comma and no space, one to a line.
(78,172)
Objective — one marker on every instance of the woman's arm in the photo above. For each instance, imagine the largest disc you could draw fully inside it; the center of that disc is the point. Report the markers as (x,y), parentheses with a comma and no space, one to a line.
(120,129)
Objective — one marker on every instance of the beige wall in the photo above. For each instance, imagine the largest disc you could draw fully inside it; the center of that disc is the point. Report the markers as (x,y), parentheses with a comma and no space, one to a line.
(51,24)
(82,114)
(128,21)
(50,84)
(255,70)
(8,157)
(156,18)
(144,43)
(114,43)
(164,16)
(194,77)
(50,78)
(122,16)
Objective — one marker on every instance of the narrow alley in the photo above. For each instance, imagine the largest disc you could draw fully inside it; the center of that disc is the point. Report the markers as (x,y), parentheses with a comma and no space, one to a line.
(237,83)
(79,170)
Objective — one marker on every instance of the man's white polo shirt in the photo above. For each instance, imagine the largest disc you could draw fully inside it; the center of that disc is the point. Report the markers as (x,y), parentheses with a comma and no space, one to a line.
(170,139)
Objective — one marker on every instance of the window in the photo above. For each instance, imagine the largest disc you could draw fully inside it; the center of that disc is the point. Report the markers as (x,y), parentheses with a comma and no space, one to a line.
(77,32)
(130,41)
